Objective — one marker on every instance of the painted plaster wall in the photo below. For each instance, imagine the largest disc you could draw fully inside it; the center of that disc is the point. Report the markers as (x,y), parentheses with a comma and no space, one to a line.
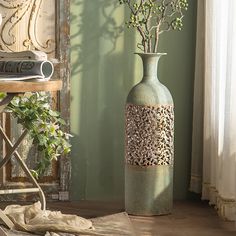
(103,71)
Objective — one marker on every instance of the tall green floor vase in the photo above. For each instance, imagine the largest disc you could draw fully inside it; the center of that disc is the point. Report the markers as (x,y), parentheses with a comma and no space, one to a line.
(149,150)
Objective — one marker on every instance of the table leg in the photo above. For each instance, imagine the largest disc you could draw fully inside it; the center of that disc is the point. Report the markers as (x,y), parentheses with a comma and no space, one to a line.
(22,163)
(6,220)
(6,101)
(13,151)
(12,148)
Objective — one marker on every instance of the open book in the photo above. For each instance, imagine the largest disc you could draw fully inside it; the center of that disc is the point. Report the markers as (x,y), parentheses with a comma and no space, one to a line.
(25,65)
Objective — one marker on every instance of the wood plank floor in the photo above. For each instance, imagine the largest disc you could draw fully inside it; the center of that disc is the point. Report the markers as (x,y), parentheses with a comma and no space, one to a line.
(188,218)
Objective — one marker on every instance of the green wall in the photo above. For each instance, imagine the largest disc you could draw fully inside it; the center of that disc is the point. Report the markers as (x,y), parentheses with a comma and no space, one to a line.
(103,71)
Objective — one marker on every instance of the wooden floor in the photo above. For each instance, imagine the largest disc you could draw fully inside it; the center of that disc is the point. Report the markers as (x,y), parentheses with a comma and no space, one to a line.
(187,219)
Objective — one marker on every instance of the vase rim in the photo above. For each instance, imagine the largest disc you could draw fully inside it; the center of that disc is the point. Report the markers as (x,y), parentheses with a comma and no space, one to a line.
(151,53)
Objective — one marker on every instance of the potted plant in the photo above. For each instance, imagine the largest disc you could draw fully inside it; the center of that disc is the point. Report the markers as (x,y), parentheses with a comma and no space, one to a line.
(149,149)
(44,125)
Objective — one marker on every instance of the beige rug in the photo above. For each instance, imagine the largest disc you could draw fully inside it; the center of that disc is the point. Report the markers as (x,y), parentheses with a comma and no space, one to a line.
(112,225)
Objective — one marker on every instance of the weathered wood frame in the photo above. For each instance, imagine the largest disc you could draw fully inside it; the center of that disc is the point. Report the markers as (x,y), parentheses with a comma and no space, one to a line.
(63,54)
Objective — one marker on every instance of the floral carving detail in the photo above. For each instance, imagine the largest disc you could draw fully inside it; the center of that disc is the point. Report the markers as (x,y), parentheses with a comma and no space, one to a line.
(23,14)
(149,135)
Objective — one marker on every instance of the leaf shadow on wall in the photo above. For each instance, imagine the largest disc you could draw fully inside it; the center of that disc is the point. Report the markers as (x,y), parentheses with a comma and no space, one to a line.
(102,75)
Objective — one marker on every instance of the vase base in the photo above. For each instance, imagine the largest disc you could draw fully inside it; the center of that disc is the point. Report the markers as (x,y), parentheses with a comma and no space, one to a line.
(149,191)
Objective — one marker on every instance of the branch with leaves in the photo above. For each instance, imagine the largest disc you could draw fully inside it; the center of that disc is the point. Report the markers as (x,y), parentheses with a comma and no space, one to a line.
(151,18)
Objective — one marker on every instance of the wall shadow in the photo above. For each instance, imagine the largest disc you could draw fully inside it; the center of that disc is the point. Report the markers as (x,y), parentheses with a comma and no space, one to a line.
(102,74)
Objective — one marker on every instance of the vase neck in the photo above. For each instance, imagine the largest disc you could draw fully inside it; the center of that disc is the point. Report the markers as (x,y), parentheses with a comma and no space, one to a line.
(150,65)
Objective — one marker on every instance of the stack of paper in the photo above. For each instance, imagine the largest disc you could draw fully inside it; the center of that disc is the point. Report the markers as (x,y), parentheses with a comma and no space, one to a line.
(25,65)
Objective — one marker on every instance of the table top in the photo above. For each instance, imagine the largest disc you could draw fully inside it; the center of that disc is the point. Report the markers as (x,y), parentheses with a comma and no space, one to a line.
(30,86)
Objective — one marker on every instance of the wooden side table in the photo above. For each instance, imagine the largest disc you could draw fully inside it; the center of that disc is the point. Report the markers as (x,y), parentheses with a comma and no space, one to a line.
(12,89)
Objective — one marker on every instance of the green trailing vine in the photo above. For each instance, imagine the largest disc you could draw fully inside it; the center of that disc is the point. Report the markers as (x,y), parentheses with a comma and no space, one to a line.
(45,127)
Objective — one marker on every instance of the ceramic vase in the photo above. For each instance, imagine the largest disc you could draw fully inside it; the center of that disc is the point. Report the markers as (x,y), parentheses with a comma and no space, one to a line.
(149,149)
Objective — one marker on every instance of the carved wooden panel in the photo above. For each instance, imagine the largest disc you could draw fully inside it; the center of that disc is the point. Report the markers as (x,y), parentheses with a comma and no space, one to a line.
(28,24)
(39,25)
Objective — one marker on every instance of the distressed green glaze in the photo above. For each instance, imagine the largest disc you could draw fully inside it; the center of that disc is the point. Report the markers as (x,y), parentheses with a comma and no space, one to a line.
(150,91)
(149,189)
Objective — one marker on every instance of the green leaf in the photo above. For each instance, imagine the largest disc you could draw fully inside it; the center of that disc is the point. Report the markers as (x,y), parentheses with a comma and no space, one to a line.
(45,127)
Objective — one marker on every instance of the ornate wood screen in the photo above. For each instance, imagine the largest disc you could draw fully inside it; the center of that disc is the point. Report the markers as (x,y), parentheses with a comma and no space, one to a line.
(38,25)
